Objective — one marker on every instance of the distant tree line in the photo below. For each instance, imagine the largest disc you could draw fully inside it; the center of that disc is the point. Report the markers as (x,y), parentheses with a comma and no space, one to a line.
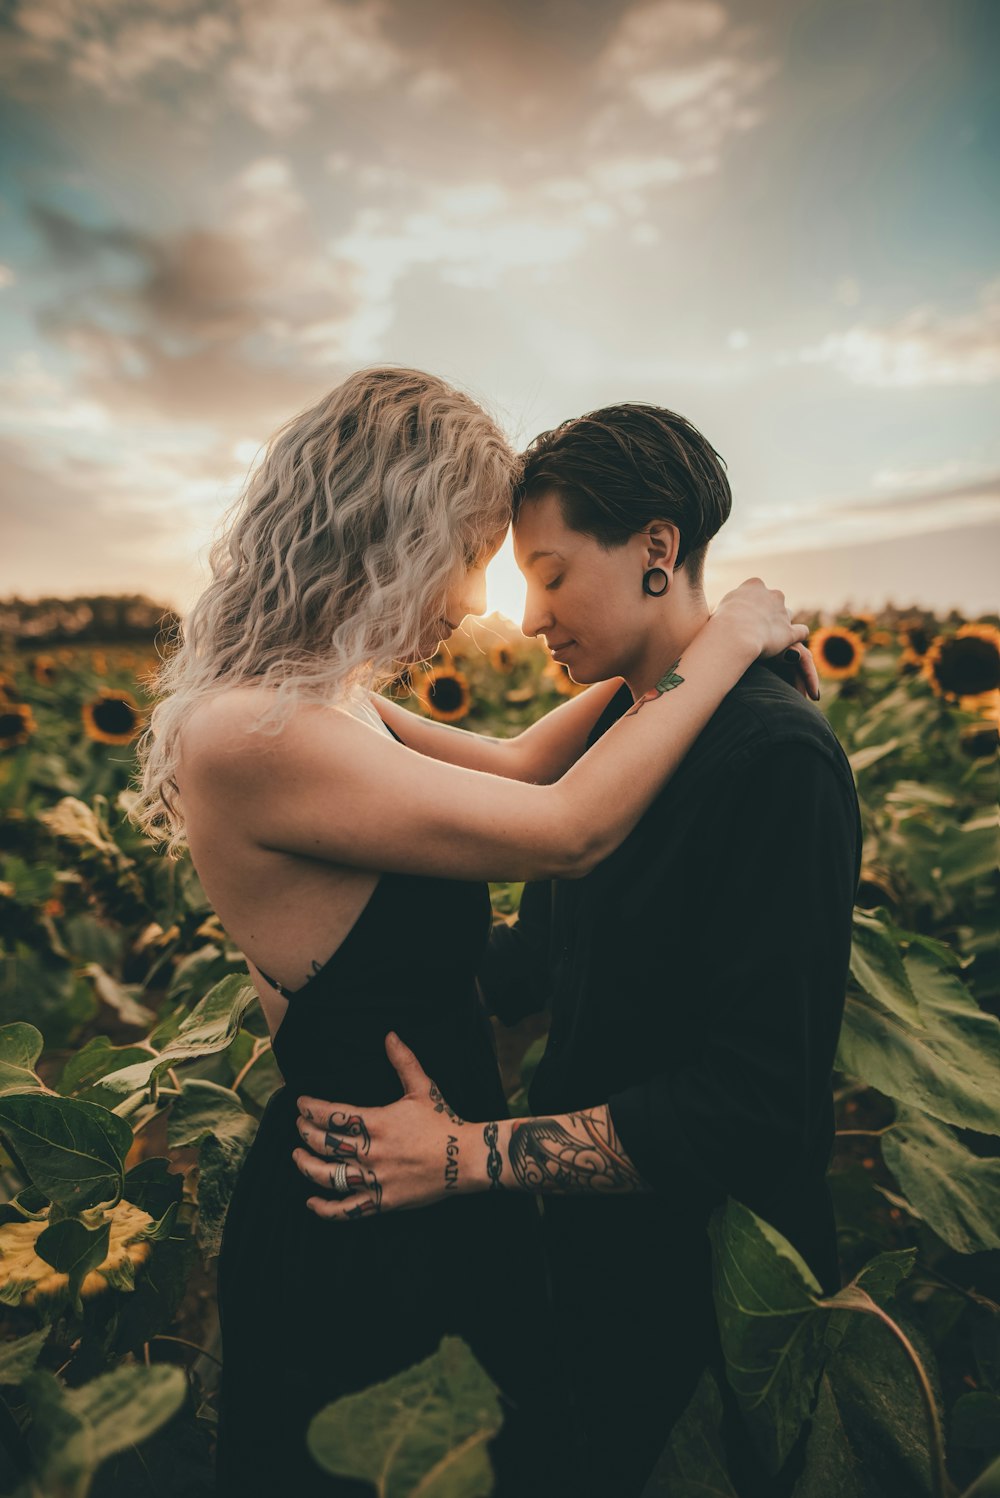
(104,617)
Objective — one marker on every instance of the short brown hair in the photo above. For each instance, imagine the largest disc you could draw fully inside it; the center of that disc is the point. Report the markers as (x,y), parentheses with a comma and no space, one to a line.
(618,469)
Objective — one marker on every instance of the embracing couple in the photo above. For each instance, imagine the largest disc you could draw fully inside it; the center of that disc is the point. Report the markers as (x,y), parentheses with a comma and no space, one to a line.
(689,833)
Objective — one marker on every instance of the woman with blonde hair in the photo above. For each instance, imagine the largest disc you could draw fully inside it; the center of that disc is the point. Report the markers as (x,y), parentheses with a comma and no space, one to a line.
(346,845)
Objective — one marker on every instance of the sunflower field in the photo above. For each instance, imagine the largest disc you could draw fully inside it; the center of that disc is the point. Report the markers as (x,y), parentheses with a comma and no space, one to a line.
(135,1064)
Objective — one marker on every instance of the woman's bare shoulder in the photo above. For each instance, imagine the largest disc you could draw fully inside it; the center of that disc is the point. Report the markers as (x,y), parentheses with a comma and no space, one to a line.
(218,729)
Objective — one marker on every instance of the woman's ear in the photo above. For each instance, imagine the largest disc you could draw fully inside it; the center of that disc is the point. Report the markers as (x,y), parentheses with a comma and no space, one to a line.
(663,544)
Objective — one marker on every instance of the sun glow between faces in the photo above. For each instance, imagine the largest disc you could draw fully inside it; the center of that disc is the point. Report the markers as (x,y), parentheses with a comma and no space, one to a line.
(505,587)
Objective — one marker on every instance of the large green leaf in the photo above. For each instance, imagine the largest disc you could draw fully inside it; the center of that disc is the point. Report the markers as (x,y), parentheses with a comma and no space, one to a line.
(765,1301)
(955,1191)
(877,964)
(422,1432)
(20,1047)
(213,1118)
(73,1248)
(73,1152)
(776,1327)
(74,1430)
(880,1408)
(693,1464)
(210,1027)
(831,1466)
(81,1076)
(987,1484)
(944,1059)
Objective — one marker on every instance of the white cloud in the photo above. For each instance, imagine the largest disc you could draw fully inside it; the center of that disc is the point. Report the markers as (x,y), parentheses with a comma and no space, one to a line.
(267,61)
(666,26)
(303,48)
(685,64)
(925,347)
(471,234)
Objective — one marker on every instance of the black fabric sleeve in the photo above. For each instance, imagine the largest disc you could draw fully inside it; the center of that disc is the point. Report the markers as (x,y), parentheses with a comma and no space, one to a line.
(513,975)
(778,859)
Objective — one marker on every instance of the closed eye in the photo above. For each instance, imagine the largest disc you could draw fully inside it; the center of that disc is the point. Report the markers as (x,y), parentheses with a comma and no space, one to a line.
(553,584)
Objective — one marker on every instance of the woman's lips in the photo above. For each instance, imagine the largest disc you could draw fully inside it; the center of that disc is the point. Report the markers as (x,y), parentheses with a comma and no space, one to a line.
(557,650)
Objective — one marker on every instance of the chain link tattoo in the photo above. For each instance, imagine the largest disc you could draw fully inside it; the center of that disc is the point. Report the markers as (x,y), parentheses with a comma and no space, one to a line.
(494,1160)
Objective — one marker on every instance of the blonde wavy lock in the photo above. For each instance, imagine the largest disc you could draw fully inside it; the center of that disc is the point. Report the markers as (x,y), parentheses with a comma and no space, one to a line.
(332,563)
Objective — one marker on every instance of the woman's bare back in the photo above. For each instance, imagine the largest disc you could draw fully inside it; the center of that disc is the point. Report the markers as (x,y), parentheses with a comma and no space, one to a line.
(287,910)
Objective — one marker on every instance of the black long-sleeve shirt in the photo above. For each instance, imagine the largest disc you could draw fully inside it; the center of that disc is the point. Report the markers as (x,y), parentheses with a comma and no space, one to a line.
(696,982)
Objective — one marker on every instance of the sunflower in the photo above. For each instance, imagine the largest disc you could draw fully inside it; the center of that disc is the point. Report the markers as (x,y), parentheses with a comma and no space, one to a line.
(27,1279)
(880,637)
(916,636)
(45,669)
(502,658)
(860,621)
(444,693)
(99,662)
(965,667)
(112,718)
(557,675)
(17,724)
(838,652)
(8,691)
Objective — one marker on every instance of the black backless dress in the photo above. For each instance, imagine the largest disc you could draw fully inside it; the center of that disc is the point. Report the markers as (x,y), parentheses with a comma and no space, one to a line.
(312,1309)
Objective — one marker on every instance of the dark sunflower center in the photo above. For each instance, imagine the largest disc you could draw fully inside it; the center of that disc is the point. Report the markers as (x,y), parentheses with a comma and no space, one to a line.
(11,724)
(920,640)
(114,715)
(447,694)
(980,742)
(967,666)
(837,651)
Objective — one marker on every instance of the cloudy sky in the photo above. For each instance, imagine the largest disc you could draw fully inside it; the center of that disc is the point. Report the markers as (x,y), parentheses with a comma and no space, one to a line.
(778,217)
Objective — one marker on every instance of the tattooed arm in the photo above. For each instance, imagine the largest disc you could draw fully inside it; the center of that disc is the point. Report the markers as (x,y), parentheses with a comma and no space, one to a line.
(419,1150)
(570,1153)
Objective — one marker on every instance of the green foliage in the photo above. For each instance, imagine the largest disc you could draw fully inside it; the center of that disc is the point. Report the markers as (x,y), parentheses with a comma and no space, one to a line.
(921,1037)
(74,1153)
(423,1432)
(693,1464)
(954,1190)
(146,1065)
(74,1430)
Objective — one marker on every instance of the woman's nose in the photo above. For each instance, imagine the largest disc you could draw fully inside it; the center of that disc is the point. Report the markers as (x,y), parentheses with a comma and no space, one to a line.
(536,620)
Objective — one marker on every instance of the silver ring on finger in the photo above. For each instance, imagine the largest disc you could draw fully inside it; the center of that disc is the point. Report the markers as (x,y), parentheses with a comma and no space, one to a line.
(338,1179)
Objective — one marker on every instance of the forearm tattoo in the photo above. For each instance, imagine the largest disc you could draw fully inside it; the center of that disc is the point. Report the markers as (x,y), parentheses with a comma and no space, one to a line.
(451,1164)
(582,1156)
(494,1160)
(666,683)
(347,1135)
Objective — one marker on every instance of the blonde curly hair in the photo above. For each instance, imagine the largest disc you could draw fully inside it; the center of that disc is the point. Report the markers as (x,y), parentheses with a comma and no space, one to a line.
(333,560)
